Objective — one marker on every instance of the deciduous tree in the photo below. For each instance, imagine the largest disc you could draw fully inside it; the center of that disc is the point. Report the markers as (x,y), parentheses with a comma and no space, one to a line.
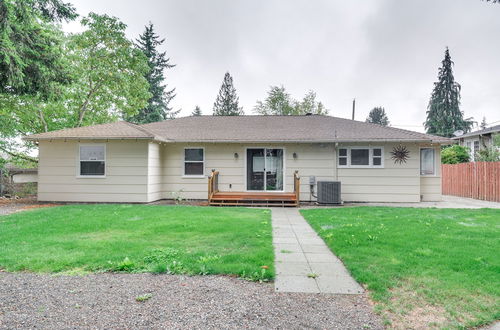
(106,81)
(280,102)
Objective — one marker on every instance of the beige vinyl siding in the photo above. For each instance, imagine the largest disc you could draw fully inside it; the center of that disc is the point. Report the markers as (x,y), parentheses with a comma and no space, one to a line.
(154,172)
(316,159)
(142,171)
(430,185)
(126,173)
(392,183)
(312,159)
(217,156)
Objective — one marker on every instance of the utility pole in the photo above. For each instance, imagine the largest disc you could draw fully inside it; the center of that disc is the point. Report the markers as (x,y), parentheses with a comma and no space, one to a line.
(353,107)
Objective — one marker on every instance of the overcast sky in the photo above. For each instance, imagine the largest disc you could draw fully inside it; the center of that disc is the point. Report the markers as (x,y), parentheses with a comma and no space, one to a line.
(381,52)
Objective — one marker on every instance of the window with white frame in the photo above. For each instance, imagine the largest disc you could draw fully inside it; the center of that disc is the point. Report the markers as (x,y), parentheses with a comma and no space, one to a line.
(476,147)
(427,161)
(194,162)
(92,160)
(470,150)
(361,157)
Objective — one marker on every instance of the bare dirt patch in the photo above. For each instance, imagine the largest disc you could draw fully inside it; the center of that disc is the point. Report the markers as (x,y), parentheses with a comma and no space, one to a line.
(409,310)
(13,205)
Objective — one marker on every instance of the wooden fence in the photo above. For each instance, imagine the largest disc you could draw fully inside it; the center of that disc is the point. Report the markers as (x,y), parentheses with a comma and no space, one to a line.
(479,180)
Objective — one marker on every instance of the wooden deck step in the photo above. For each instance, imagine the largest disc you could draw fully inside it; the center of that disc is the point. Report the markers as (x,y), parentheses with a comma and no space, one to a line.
(253,199)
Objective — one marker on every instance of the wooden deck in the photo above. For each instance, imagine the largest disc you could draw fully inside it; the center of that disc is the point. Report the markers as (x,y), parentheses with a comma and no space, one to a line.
(253,199)
(220,198)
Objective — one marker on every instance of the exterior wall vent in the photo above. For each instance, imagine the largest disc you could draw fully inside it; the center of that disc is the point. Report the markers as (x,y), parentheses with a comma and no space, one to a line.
(329,192)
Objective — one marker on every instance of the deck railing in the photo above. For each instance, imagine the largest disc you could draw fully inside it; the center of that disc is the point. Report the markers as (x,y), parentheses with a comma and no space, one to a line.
(213,183)
(296,186)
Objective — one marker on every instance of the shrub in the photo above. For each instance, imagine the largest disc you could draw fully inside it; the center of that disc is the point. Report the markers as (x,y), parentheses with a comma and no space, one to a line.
(491,153)
(455,154)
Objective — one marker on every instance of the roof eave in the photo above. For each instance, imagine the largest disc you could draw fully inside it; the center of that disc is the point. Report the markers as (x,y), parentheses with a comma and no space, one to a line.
(28,138)
(312,141)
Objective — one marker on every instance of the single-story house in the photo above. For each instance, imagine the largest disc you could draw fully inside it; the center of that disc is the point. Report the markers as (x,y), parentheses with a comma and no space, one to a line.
(478,140)
(124,162)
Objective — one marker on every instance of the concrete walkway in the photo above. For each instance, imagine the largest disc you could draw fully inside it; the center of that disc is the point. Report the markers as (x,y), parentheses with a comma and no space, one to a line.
(446,203)
(303,261)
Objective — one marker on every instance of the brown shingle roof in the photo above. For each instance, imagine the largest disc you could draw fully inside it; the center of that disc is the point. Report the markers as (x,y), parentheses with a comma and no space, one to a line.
(117,130)
(312,128)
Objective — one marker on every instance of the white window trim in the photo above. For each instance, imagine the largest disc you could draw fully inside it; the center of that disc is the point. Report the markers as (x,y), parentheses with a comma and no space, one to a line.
(78,168)
(420,162)
(382,163)
(192,176)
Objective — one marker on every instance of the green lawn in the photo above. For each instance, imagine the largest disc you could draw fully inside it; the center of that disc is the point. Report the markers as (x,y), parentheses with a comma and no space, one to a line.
(139,238)
(436,267)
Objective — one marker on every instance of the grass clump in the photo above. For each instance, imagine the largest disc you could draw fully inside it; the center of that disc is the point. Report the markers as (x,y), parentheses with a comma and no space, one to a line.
(144,297)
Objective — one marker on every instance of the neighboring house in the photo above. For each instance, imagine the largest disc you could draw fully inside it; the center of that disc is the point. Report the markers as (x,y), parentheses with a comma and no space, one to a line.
(13,179)
(478,140)
(23,175)
(123,162)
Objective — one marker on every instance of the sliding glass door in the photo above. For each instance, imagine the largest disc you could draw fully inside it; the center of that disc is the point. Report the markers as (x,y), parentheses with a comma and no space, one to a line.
(265,169)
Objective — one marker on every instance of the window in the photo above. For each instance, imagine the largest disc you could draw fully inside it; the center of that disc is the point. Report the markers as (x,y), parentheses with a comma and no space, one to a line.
(427,163)
(194,162)
(476,147)
(471,152)
(92,160)
(377,157)
(361,157)
(343,157)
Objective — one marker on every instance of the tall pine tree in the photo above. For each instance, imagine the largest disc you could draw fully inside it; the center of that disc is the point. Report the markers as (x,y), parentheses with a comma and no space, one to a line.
(378,116)
(484,124)
(158,105)
(443,112)
(226,103)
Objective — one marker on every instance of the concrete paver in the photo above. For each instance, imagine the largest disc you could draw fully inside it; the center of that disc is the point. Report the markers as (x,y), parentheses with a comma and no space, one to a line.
(293,283)
(303,261)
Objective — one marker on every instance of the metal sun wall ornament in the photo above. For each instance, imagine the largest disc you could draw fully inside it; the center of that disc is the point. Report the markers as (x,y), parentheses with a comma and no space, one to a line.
(400,154)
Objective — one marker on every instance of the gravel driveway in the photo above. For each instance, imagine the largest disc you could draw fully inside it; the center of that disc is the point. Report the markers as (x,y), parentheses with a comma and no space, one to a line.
(109,301)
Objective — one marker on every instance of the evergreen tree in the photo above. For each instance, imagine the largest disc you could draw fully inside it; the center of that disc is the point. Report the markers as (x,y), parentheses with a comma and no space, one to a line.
(443,112)
(378,116)
(483,123)
(157,108)
(226,103)
(196,111)
(31,57)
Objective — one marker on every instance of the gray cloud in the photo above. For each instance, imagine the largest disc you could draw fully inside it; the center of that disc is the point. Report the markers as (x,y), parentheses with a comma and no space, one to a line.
(383,52)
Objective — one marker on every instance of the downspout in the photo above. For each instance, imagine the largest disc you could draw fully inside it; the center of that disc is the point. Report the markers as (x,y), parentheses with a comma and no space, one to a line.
(336,169)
